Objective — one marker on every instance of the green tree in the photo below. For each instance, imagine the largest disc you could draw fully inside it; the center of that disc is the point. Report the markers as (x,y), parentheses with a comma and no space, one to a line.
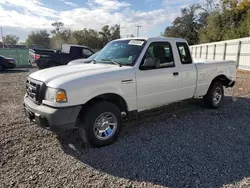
(213,30)
(10,39)
(41,38)
(228,4)
(95,39)
(109,33)
(88,37)
(59,27)
(209,22)
(115,32)
(231,22)
(105,35)
(60,35)
(186,26)
(204,11)
(61,32)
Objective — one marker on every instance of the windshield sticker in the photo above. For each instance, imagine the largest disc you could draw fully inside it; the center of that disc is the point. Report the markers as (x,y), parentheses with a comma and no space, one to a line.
(136,42)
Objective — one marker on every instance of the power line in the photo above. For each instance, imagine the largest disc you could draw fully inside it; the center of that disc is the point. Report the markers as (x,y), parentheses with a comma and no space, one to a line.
(138,29)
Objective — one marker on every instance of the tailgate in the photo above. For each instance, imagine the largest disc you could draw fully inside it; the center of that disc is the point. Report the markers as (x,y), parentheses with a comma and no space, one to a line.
(31,56)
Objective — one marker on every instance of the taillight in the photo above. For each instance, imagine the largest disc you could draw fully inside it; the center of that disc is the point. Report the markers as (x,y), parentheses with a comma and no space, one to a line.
(10,61)
(37,56)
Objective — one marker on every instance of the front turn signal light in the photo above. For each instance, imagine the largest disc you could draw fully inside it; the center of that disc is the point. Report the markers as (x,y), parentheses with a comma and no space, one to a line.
(61,96)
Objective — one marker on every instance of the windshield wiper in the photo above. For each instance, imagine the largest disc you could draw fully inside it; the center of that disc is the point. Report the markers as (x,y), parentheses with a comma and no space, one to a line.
(114,62)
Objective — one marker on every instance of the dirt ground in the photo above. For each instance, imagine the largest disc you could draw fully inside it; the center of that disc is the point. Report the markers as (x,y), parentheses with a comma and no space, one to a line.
(182,145)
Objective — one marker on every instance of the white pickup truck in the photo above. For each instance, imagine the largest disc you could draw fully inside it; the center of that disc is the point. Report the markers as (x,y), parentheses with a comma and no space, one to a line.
(126,77)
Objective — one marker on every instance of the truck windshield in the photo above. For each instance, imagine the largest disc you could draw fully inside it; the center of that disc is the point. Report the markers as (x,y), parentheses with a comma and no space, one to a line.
(124,52)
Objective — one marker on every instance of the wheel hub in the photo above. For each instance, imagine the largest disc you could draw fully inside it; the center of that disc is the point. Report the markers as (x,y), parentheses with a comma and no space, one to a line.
(105,126)
(217,96)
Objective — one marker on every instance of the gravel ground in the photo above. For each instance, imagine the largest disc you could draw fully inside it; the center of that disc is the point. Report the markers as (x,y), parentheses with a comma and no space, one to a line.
(183,145)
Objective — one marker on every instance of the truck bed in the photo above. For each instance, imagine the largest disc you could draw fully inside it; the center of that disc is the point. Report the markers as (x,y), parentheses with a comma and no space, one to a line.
(207,69)
(42,51)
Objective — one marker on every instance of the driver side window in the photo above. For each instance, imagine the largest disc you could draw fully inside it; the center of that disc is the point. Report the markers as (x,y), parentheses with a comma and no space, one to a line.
(161,53)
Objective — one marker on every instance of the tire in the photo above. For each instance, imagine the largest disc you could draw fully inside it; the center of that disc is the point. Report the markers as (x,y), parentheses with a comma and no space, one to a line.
(1,68)
(214,96)
(101,124)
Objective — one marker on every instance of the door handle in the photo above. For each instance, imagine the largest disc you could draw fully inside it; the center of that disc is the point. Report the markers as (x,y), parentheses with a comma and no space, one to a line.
(175,73)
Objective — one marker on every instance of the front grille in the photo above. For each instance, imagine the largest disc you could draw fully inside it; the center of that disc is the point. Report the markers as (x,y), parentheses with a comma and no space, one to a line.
(35,90)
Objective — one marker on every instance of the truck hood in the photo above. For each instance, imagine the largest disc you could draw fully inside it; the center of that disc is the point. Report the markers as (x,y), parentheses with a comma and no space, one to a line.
(56,76)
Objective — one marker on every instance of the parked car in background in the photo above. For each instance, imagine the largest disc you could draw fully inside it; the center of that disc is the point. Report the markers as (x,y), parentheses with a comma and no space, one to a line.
(81,61)
(45,58)
(7,63)
(127,76)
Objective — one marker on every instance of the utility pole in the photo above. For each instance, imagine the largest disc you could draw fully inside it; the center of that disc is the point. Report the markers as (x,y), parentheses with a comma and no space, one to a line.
(138,29)
(2,35)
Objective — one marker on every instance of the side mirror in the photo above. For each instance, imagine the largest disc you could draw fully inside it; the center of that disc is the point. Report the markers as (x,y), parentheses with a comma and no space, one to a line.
(149,63)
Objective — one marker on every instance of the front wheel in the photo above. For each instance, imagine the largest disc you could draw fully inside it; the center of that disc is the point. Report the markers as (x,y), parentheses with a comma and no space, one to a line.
(214,96)
(1,68)
(101,124)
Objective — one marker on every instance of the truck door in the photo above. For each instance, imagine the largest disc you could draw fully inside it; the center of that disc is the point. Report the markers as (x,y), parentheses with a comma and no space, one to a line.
(75,52)
(188,72)
(160,84)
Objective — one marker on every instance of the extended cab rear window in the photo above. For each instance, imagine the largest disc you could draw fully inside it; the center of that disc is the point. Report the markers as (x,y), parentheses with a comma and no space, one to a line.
(184,53)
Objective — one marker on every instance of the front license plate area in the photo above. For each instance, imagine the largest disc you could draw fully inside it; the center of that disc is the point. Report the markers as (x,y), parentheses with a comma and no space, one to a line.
(30,115)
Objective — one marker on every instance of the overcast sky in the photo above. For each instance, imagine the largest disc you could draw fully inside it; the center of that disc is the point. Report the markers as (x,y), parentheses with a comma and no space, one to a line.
(19,17)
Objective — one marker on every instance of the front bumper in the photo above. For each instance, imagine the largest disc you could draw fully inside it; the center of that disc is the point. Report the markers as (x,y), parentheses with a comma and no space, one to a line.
(231,83)
(33,63)
(11,66)
(54,119)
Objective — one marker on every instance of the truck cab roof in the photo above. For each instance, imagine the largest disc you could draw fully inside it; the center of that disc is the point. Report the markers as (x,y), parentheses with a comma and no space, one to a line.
(75,45)
(154,39)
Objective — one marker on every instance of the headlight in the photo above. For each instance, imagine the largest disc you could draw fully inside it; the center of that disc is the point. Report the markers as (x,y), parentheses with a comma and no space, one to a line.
(55,95)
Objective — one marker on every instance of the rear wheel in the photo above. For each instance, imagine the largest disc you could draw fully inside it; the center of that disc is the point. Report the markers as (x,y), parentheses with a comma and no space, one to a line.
(101,124)
(214,96)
